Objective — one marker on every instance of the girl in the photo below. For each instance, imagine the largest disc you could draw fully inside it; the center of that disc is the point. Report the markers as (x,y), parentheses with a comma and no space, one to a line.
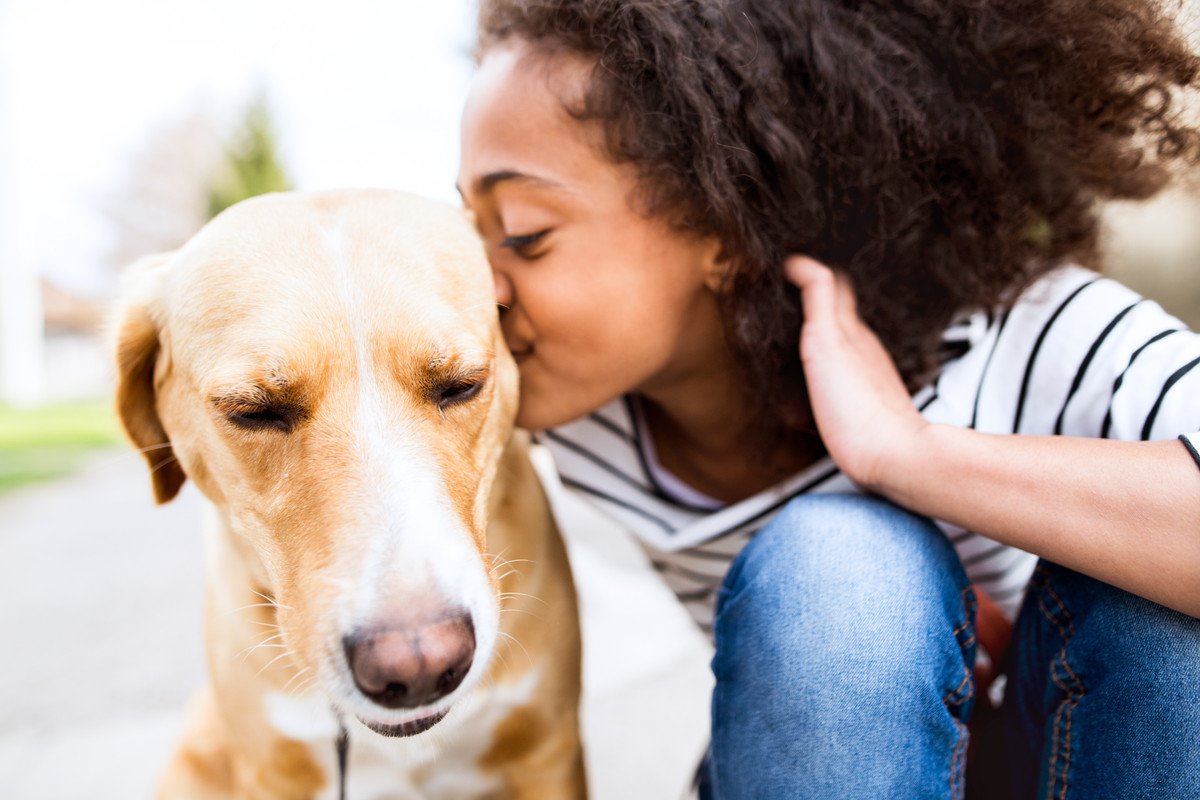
(655,178)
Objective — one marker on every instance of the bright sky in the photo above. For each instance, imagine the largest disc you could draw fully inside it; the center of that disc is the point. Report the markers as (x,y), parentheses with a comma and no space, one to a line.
(366,93)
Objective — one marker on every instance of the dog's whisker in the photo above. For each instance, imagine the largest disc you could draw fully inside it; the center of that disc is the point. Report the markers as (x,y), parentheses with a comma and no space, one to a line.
(249,651)
(506,599)
(170,460)
(485,305)
(503,660)
(507,595)
(508,562)
(271,600)
(538,617)
(299,676)
(509,637)
(243,608)
(264,643)
(512,571)
(148,448)
(262,647)
(498,557)
(285,654)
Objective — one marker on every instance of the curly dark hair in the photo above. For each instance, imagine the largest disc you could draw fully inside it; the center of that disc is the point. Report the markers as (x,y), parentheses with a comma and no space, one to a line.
(941,153)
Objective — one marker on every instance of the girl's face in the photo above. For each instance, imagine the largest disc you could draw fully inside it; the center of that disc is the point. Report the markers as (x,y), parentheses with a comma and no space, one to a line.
(600,300)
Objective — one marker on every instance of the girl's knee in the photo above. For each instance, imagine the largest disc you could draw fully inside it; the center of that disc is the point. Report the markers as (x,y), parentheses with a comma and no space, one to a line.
(840,580)
(846,549)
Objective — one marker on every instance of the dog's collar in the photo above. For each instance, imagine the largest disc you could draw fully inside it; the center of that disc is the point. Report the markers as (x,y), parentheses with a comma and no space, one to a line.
(343,752)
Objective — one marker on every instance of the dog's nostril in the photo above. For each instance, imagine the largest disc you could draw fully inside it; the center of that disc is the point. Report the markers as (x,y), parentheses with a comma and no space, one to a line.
(407,667)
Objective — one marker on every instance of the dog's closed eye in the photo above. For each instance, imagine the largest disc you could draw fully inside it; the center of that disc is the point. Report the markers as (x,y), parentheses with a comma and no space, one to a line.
(459,392)
(264,418)
(259,409)
(450,380)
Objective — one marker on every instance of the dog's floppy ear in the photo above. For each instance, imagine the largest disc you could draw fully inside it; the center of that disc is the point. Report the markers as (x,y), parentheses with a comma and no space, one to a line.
(137,351)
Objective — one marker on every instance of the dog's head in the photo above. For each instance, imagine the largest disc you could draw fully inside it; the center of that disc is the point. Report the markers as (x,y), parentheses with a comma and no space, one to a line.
(330,371)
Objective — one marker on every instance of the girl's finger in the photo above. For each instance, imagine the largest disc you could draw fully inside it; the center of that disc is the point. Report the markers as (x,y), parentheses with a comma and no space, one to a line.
(847,301)
(818,290)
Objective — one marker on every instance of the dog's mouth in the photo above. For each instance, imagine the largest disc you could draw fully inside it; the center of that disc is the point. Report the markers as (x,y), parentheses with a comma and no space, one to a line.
(409,728)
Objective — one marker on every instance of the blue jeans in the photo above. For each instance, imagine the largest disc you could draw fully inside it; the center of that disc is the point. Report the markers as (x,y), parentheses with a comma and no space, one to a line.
(844,652)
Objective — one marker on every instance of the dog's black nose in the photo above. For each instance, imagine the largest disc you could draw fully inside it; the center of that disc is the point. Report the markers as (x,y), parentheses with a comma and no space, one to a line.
(410,666)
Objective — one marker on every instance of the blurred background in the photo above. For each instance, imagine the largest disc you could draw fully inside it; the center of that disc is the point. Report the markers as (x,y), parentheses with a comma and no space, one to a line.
(124,126)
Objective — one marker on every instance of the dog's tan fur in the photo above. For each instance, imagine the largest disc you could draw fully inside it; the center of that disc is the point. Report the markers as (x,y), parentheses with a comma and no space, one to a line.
(350,309)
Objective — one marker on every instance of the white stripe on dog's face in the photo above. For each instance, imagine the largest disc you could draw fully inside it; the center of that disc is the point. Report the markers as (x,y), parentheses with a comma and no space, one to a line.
(415,548)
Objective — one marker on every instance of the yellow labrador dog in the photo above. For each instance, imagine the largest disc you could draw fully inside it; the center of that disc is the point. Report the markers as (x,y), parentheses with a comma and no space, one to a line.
(389,610)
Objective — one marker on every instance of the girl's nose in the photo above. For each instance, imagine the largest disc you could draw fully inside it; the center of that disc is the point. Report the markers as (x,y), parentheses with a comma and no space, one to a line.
(504,290)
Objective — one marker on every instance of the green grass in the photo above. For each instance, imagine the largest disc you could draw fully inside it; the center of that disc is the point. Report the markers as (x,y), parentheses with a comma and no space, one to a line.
(39,444)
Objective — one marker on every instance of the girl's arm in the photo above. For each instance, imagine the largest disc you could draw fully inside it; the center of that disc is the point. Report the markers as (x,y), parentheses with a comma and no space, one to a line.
(1127,513)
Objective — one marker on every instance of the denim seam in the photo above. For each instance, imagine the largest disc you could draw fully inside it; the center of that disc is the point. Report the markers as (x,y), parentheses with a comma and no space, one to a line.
(952,696)
(1074,693)
(960,696)
(954,777)
(1078,690)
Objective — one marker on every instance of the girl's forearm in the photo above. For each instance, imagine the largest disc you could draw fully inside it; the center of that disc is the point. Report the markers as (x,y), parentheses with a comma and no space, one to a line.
(1127,513)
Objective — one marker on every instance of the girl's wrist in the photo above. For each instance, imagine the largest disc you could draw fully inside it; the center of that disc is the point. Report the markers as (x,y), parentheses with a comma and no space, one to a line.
(909,460)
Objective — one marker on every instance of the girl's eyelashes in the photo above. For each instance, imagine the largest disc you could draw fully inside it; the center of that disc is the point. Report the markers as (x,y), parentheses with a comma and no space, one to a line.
(525,246)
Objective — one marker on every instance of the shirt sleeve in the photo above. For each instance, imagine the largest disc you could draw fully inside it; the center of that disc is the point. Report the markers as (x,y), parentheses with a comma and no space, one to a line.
(1082,355)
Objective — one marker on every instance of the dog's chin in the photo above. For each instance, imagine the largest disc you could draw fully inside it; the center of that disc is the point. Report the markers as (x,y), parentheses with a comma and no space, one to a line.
(410,728)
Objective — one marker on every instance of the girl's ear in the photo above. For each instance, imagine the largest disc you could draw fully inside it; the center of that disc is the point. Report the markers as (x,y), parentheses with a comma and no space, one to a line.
(716,266)
(137,349)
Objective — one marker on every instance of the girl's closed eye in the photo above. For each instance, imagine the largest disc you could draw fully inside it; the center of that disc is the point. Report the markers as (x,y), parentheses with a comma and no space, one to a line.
(526,246)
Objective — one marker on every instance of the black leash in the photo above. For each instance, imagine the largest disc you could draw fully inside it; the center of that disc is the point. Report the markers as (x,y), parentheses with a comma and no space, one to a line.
(343,753)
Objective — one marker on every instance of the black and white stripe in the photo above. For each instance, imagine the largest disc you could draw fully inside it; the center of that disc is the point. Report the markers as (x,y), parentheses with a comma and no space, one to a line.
(1077,355)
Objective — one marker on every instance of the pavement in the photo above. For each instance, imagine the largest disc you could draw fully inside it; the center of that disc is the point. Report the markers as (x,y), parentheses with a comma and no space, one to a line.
(100,613)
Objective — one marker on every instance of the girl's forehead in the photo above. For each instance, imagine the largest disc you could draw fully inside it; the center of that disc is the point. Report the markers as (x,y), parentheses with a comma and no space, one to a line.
(523,66)
(516,119)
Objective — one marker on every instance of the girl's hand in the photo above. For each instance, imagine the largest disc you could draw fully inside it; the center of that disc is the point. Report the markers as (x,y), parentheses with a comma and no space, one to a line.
(1108,509)
(862,409)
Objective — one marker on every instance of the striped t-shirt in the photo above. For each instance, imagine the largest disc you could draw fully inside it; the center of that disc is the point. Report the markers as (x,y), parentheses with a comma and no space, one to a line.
(1077,355)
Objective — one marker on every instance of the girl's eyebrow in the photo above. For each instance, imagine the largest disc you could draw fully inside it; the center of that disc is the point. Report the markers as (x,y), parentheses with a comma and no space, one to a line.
(486,183)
